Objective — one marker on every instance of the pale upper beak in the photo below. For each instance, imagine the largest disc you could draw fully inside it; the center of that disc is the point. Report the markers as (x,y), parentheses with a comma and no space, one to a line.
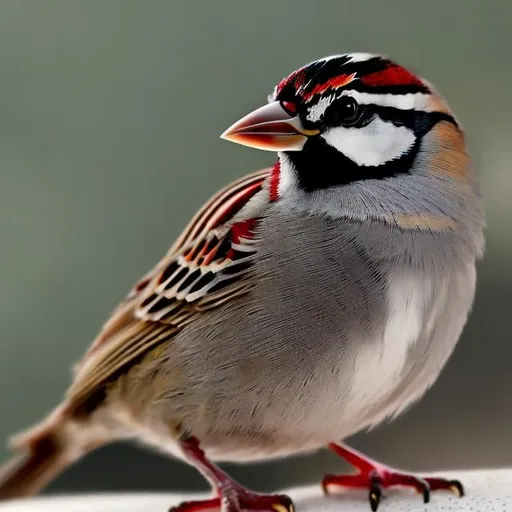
(270,128)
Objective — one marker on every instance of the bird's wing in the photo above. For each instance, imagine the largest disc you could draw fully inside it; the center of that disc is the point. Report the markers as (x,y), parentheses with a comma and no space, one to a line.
(204,268)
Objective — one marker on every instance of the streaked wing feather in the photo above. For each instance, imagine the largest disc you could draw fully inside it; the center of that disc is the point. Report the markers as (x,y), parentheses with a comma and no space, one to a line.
(203,269)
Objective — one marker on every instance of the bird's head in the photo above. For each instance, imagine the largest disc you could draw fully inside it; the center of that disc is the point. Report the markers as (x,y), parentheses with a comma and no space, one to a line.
(354,120)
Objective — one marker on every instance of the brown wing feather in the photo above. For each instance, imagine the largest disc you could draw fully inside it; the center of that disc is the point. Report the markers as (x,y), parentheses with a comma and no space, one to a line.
(203,269)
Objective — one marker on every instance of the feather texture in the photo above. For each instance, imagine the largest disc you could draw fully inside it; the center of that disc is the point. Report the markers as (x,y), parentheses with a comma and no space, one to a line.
(204,268)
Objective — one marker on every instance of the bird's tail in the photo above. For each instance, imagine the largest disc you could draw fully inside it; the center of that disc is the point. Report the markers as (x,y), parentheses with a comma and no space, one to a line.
(45,451)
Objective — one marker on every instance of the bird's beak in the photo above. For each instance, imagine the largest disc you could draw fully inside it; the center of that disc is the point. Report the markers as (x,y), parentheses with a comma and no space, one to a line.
(270,128)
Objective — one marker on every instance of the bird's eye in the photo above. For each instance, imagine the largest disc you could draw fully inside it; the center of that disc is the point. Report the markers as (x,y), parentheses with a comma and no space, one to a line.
(290,107)
(346,110)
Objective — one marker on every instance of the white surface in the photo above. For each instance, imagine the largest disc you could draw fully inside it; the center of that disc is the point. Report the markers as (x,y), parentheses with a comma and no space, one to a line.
(486,491)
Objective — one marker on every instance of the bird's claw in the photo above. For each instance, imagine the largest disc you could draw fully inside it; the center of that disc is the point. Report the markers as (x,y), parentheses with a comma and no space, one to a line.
(240,501)
(378,481)
(374,496)
(377,477)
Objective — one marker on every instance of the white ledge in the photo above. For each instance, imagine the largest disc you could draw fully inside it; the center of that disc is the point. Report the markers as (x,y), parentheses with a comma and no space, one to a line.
(486,491)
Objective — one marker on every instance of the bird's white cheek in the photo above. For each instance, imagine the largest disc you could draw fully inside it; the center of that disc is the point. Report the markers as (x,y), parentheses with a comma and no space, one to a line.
(374,144)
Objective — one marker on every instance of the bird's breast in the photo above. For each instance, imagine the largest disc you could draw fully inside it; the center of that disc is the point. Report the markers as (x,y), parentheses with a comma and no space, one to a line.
(344,325)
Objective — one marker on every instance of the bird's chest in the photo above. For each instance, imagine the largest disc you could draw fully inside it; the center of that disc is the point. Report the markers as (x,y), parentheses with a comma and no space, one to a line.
(353,316)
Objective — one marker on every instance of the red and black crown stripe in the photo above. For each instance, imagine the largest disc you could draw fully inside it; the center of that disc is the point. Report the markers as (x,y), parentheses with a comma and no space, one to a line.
(375,75)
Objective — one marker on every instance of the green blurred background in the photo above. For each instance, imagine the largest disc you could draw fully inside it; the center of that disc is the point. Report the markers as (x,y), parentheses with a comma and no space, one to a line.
(110,115)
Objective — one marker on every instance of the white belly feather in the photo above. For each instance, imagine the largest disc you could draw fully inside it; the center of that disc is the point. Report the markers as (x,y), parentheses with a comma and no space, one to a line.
(425,318)
(380,362)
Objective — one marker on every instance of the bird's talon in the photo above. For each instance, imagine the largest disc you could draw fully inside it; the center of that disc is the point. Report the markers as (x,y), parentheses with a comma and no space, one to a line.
(457,488)
(374,497)
(178,507)
(325,484)
(376,477)
(281,508)
(286,503)
(424,489)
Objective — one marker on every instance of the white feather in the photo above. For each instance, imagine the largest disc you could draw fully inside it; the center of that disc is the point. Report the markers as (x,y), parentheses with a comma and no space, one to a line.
(316,111)
(361,57)
(287,177)
(379,363)
(410,101)
(374,144)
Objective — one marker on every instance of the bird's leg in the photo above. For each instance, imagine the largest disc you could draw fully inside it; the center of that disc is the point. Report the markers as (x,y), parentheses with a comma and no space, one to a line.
(230,496)
(374,477)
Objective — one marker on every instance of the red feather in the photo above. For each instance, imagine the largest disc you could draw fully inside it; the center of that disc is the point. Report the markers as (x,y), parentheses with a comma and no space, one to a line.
(392,75)
(334,83)
(296,78)
(274,182)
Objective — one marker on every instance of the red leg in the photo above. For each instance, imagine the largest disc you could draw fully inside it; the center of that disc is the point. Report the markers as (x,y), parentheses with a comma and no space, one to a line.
(230,496)
(374,476)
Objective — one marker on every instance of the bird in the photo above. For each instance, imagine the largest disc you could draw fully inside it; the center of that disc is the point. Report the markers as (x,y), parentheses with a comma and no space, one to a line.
(303,303)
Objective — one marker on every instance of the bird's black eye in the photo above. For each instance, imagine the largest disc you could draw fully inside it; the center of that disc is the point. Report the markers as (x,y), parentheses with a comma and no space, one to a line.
(346,111)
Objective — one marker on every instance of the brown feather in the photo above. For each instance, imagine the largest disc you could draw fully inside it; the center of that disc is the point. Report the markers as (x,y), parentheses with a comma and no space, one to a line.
(452,160)
(429,222)
(44,452)
(158,306)
(25,474)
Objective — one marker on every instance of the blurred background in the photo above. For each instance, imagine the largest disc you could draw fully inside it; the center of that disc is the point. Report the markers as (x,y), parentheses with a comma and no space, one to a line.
(110,115)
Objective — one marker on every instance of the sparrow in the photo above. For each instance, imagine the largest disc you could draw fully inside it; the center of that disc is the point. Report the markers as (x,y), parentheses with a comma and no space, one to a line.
(302,304)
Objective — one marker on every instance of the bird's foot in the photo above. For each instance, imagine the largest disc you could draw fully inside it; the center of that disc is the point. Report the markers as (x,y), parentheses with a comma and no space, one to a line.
(238,499)
(375,477)
(230,496)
